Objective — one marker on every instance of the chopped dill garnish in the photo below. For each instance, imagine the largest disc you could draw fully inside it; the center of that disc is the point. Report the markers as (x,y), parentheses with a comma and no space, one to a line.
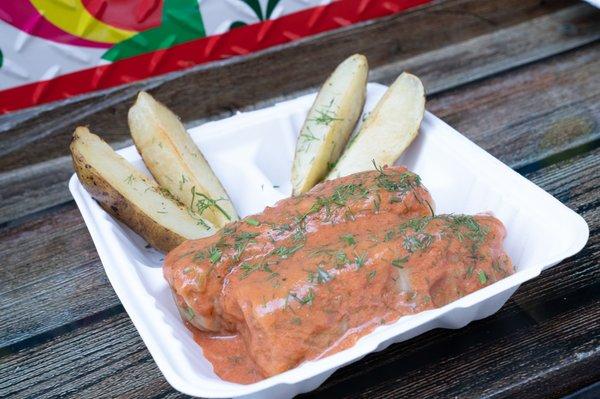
(187,270)
(469,272)
(416,224)
(348,239)
(248,268)
(371,275)
(399,262)
(341,258)
(214,254)
(182,182)
(285,252)
(307,139)
(227,231)
(129,179)
(389,235)
(201,202)
(307,299)
(466,226)
(323,276)
(483,278)
(401,183)
(417,242)
(496,266)
(377,202)
(252,222)
(346,191)
(325,116)
(241,241)
(189,312)
(296,321)
(360,260)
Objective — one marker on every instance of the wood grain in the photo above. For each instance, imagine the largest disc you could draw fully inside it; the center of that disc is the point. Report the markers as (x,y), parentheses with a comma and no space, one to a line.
(546,333)
(476,58)
(62,251)
(214,90)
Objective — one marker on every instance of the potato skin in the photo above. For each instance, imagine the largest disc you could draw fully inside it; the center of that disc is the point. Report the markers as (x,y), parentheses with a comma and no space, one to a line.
(118,206)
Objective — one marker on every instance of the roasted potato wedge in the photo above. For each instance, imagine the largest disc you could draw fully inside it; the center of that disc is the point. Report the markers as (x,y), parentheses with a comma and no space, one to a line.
(329,123)
(388,130)
(130,196)
(176,162)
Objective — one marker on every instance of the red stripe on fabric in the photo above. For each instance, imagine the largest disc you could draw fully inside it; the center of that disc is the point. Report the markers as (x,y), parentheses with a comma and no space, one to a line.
(235,42)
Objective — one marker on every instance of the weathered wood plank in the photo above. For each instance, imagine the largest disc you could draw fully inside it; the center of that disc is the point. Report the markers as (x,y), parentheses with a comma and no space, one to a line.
(527,114)
(53,247)
(547,333)
(220,88)
(485,55)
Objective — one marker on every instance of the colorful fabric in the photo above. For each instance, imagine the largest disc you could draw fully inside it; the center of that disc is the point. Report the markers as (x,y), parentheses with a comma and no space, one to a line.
(54,49)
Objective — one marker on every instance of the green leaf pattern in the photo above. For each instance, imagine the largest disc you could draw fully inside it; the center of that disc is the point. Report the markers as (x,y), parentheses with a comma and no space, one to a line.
(258,11)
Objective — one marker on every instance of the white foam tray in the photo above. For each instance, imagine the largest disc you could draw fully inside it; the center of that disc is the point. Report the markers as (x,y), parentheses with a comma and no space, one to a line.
(252,155)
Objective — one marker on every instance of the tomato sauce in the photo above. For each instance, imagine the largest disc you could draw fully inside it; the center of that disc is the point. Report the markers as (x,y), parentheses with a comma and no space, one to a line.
(311,275)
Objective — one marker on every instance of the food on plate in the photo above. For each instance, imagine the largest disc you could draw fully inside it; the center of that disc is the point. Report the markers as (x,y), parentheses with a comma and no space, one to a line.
(387,131)
(130,196)
(176,162)
(309,276)
(329,123)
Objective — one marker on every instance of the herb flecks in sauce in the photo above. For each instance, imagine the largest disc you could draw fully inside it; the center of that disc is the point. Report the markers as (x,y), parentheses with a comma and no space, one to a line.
(340,250)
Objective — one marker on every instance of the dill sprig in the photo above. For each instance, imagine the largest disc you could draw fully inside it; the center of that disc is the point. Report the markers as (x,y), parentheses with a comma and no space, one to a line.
(307,138)
(200,203)
(417,242)
(399,262)
(129,179)
(325,116)
(465,226)
(285,252)
(305,300)
(349,239)
(241,241)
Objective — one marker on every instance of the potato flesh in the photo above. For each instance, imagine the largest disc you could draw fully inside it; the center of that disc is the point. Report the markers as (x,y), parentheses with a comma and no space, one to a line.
(388,130)
(175,161)
(137,188)
(329,123)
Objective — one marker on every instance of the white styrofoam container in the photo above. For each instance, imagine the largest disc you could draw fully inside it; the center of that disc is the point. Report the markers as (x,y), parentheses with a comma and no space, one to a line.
(252,155)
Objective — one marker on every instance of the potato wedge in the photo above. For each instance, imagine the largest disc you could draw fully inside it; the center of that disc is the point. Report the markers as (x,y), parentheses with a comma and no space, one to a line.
(329,123)
(176,162)
(388,130)
(130,196)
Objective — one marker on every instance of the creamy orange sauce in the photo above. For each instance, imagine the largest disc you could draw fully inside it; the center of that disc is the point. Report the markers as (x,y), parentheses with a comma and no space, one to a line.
(311,275)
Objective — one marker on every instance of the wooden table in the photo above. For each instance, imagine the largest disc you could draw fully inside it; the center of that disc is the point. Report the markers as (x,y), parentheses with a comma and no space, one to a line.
(521,78)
